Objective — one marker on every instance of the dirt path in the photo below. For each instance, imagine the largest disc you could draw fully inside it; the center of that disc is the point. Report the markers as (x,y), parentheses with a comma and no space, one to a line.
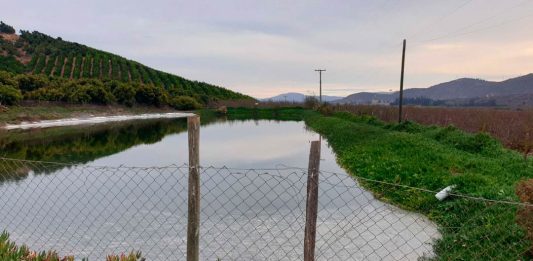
(82,65)
(46,61)
(72,67)
(91,71)
(119,72)
(55,66)
(101,74)
(110,69)
(63,67)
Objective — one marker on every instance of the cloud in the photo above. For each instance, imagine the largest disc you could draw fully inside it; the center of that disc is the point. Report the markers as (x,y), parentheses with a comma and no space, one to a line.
(266,47)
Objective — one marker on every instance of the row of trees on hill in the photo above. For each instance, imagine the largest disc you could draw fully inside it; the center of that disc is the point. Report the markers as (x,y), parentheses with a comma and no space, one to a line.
(14,88)
(62,59)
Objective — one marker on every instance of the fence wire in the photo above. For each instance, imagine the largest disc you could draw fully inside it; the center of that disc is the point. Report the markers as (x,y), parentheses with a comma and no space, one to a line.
(248,214)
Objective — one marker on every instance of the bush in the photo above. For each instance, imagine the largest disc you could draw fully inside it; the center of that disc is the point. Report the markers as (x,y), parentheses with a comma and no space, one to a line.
(9,95)
(7,29)
(28,83)
(326,110)
(184,103)
(150,94)
(311,102)
(46,94)
(7,79)
(124,93)
(89,91)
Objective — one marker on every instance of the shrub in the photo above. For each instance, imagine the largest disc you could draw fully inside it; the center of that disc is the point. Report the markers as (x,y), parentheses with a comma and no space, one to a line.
(406,126)
(326,110)
(150,94)
(184,103)
(7,29)
(311,102)
(28,83)
(124,93)
(7,79)
(9,95)
(46,94)
(90,91)
(10,251)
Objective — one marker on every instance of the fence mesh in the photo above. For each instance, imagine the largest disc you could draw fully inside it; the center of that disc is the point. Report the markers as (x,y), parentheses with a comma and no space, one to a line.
(248,214)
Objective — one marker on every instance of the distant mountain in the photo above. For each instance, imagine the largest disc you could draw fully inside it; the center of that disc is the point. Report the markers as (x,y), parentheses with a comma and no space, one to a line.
(460,91)
(298,97)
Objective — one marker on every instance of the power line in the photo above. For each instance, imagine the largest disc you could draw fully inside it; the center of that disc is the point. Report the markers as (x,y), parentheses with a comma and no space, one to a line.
(461,31)
(475,31)
(440,19)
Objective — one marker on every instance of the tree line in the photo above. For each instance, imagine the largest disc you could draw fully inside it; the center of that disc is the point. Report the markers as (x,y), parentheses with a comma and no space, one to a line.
(17,87)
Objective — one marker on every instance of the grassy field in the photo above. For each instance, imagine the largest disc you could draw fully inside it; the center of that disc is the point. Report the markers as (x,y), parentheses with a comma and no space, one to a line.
(431,158)
(514,128)
(16,114)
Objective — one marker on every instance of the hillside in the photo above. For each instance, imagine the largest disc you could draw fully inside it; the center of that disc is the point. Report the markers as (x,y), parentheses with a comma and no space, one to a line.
(459,92)
(298,97)
(35,53)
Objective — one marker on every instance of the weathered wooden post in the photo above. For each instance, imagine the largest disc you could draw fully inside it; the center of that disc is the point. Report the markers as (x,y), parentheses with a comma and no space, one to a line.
(312,201)
(400,116)
(193,227)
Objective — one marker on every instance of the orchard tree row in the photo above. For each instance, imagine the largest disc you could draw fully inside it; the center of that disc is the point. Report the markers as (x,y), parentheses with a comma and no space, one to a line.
(54,57)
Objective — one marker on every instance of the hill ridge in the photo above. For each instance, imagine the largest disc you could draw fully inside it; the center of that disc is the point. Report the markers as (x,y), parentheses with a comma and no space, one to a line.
(37,53)
(462,89)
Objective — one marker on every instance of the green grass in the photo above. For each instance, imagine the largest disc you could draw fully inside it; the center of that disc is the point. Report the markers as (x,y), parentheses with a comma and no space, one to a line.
(431,158)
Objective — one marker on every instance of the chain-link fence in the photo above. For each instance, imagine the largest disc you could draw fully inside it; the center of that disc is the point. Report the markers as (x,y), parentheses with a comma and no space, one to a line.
(248,214)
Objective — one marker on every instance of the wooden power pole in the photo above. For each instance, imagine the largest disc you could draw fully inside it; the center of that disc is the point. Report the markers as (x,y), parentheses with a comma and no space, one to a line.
(401,84)
(320,75)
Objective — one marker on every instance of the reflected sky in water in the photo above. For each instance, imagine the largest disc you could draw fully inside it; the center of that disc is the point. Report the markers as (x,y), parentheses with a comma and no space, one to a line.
(238,144)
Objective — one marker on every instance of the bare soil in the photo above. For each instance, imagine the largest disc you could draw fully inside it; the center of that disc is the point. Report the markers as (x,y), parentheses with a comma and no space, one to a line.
(82,65)
(72,67)
(92,64)
(55,66)
(63,67)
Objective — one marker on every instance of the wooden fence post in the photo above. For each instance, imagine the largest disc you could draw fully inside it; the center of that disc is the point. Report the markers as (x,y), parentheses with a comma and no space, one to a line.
(312,202)
(193,227)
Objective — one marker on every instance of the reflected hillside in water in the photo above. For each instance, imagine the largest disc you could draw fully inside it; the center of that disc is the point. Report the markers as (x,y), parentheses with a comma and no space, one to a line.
(80,144)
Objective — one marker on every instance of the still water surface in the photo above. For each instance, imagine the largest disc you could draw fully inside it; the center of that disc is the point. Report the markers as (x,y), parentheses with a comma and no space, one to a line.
(89,211)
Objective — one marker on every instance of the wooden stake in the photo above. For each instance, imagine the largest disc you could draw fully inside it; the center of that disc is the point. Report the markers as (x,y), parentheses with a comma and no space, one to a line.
(401,83)
(193,227)
(312,201)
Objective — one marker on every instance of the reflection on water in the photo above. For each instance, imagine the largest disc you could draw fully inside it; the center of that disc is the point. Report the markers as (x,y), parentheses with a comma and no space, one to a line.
(89,211)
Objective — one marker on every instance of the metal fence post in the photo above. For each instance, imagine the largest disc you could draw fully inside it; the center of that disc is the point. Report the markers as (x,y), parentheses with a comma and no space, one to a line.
(193,226)
(312,202)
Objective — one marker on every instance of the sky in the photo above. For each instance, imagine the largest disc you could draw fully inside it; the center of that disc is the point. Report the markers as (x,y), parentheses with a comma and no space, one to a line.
(264,48)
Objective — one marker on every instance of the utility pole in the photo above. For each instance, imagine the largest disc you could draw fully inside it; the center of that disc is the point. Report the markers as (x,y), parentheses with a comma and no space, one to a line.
(320,73)
(401,84)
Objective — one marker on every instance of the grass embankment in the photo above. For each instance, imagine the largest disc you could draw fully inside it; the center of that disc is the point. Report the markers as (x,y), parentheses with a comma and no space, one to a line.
(432,158)
(17,114)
